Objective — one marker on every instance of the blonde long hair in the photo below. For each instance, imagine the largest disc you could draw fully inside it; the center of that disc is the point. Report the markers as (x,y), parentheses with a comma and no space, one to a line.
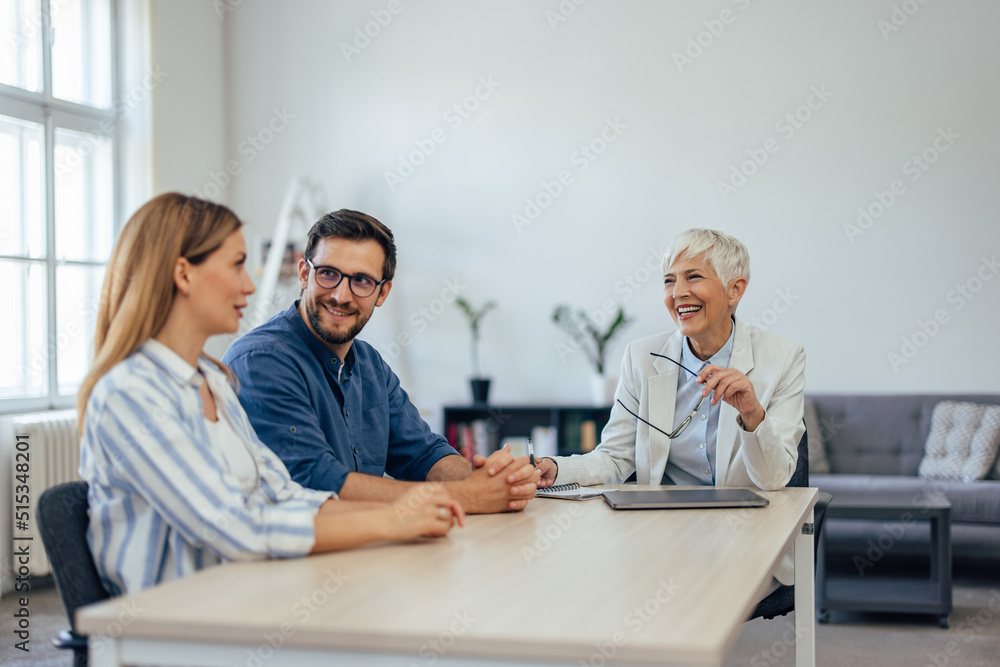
(139,289)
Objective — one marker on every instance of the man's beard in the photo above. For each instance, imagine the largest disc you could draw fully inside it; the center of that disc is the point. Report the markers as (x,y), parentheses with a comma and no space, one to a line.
(330,337)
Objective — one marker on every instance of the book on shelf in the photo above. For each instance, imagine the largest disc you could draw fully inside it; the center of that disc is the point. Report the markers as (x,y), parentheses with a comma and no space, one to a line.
(545,440)
(570,433)
(484,440)
(518,445)
(471,438)
(588,435)
(466,445)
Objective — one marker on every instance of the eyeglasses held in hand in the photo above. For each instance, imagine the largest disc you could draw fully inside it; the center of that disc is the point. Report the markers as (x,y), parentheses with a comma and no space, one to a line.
(680,428)
(663,356)
(677,430)
(329,277)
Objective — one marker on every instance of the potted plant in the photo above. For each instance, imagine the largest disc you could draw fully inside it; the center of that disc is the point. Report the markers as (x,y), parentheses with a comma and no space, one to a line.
(480,385)
(594,339)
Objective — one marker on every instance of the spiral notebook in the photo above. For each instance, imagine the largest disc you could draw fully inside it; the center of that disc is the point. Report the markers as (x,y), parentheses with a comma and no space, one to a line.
(570,492)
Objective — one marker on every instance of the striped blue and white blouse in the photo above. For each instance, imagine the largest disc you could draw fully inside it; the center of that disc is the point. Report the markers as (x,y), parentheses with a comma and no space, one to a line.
(171,493)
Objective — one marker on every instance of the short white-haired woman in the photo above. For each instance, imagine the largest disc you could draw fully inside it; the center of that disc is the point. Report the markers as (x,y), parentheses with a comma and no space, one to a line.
(178,478)
(717,402)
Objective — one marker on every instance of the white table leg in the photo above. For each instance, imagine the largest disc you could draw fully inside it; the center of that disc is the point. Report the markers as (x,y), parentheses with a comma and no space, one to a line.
(805,599)
(103,651)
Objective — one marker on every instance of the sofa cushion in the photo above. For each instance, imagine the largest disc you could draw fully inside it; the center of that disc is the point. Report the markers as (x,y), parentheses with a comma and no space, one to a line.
(880,434)
(817,450)
(962,443)
(977,502)
(875,435)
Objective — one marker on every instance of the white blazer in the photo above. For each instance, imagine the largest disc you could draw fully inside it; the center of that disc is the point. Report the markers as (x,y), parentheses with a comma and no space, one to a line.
(764,458)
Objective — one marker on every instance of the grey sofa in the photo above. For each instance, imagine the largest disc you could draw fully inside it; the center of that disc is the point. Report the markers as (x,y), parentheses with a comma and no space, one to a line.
(875,444)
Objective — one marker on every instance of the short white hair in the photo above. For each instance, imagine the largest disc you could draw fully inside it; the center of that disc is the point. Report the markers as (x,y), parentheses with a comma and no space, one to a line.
(727,256)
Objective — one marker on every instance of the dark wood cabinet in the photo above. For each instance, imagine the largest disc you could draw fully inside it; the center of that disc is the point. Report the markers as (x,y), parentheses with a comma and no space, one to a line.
(572,423)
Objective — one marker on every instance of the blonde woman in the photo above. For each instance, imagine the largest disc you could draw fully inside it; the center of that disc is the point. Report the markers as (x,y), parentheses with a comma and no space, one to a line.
(178,479)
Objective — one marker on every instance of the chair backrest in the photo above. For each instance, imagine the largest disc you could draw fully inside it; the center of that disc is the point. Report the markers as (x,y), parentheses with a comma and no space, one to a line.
(800,478)
(63,520)
(782,600)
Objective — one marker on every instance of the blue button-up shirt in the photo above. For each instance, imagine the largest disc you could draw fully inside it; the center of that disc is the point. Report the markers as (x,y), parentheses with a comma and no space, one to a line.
(326,417)
(692,452)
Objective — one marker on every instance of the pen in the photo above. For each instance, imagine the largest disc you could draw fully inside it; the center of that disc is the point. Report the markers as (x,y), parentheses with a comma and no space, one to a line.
(531,452)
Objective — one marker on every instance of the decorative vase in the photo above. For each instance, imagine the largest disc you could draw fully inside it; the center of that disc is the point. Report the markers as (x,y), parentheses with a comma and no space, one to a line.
(480,390)
(602,390)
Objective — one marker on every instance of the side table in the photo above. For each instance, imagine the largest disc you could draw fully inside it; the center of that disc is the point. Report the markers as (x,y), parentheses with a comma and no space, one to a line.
(864,587)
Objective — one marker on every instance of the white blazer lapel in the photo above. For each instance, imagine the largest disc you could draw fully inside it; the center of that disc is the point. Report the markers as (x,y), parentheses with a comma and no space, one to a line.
(662,398)
(728,435)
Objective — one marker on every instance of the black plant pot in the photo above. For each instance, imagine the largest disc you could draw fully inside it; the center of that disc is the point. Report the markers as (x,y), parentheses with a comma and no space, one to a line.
(480,390)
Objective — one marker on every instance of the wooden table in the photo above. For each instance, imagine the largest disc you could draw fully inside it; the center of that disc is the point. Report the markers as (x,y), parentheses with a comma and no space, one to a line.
(561,582)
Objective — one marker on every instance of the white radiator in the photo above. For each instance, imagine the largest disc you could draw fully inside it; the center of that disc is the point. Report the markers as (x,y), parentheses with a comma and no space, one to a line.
(51,445)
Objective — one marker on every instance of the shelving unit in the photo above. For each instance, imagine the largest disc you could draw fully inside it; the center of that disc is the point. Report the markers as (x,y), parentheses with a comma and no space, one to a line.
(503,421)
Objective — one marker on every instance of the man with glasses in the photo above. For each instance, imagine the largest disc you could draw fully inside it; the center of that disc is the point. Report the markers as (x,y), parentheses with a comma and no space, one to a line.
(330,406)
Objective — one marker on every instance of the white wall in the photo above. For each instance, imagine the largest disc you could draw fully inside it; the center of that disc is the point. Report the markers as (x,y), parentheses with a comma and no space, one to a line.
(190,118)
(189,112)
(852,300)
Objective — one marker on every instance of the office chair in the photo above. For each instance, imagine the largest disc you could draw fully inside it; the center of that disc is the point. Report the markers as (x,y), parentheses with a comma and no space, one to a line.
(782,600)
(62,520)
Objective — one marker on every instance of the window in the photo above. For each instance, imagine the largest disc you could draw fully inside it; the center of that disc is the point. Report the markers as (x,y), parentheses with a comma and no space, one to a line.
(58,191)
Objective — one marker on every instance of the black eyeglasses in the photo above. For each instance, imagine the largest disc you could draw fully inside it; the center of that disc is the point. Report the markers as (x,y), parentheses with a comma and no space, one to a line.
(361,285)
(684,423)
(663,356)
(673,434)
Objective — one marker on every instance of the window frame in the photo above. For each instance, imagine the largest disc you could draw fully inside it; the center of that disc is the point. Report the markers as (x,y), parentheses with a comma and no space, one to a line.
(54,114)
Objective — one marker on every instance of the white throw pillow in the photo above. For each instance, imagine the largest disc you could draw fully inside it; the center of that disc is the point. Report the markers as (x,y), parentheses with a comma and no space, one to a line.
(996,468)
(818,462)
(963,441)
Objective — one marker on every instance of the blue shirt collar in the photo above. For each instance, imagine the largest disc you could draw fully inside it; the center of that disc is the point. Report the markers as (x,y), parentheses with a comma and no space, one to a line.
(720,358)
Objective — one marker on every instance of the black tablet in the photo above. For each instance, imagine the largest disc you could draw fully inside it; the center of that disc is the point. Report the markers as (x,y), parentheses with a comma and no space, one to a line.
(665,499)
